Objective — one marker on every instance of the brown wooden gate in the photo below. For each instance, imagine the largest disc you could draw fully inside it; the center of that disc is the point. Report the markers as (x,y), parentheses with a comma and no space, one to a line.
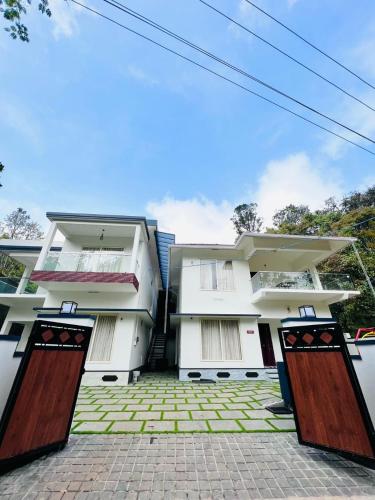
(329,407)
(40,407)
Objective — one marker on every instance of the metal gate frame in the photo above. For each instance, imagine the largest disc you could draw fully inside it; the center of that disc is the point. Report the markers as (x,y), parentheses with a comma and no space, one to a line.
(44,336)
(337,344)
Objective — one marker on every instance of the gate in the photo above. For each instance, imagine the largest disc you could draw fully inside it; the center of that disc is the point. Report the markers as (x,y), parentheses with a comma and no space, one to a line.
(40,406)
(329,407)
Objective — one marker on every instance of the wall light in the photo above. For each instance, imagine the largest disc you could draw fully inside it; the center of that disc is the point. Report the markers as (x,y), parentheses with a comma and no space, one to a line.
(307,312)
(68,307)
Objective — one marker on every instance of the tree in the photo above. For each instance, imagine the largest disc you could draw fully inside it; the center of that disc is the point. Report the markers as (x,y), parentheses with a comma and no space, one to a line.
(18,225)
(13,10)
(1,169)
(357,200)
(246,219)
(290,215)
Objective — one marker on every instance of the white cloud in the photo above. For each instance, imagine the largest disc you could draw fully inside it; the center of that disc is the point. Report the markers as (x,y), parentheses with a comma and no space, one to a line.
(17,117)
(196,220)
(64,18)
(138,74)
(296,180)
(292,3)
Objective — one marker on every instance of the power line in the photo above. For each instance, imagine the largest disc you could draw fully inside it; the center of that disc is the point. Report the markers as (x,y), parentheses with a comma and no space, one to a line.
(330,82)
(246,89)
(310,44)
(170,33)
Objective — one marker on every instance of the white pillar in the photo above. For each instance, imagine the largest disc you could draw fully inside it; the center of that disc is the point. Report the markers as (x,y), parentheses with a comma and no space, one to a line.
(315,277)
(137,236)
(46,246)
(23,281)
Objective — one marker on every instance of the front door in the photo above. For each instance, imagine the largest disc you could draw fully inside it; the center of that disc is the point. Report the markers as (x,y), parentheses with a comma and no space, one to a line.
(266,344)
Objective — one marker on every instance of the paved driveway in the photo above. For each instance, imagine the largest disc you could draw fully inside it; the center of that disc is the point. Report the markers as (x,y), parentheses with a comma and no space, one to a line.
(191,467)
(163,404)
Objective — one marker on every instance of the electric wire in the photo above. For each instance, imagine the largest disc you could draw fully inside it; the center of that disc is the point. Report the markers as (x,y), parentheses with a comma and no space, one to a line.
(325,54)
(246,89)
(330,82)
(170,33)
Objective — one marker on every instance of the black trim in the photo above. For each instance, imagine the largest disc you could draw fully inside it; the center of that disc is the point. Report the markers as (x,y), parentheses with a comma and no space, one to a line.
(369,341)
(10,338)
(202,315)
(61,316)
(96,309)
(308,319)
(341,347)
(18,354)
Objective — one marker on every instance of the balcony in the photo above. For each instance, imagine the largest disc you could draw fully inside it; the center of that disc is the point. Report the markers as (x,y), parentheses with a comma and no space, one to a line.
(325,287)
(9,285)
(93,271)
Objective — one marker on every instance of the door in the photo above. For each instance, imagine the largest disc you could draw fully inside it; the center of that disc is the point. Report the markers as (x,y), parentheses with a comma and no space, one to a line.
(329,407)
(39,410)
(266,344)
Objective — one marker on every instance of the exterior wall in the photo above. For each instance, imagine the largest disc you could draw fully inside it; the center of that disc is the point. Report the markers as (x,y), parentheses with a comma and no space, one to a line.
(364,367)
(24,314)
(9,366)
(191,346)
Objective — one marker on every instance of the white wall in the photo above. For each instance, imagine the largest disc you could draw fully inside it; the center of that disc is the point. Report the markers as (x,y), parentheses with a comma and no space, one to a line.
(191,346)
(139,344)
(9,367)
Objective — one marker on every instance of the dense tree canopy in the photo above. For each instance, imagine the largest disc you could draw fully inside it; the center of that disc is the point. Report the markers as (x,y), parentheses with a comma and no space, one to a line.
(246,218)
(353,216)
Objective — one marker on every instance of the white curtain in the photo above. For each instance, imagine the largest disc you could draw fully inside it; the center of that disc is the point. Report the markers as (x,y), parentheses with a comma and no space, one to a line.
(226,280)
(208,274)
(211,345)
(230,340)
(102,342)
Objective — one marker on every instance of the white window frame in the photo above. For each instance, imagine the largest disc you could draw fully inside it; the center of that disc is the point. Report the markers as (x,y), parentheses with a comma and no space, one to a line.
(219,288)
(221,343)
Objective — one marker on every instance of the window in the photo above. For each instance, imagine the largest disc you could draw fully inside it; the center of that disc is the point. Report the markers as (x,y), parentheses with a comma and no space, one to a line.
(216,274)
(101,347)
(16,329)
(220,340)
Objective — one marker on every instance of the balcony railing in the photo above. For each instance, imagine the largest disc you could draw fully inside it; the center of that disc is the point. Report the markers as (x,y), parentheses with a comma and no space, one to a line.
(300,281)
(102,262)
(9,284)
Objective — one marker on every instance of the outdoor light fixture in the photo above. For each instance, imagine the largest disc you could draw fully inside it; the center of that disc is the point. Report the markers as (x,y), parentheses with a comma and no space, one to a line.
(68,307)
(307,312)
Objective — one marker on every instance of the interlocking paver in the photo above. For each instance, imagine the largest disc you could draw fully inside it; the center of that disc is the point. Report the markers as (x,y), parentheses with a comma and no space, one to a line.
(231,414)
(159,426)
(259,414)
(90,415)
(284,424)
(224,425)
(255,425)
(118,415)
(204,415)
(92,427)
(147,415)
(176,415)
(126,427)
(192,425)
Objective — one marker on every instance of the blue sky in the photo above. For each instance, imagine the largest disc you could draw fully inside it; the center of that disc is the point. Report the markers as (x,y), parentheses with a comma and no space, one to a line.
(93,119)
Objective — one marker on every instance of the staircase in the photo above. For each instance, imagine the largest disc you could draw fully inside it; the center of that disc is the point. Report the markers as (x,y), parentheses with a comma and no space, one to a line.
(156,359)
(272,374)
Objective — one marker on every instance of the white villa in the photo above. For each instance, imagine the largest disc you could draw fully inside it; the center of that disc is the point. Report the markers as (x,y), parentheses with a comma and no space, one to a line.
(117,273)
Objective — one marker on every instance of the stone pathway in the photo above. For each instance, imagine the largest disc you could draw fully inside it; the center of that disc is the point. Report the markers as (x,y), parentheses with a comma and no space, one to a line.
(163,404)
(188,467)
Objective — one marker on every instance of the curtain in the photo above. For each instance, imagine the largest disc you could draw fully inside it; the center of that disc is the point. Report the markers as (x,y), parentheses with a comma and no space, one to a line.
(208,274)
(101,348)
(226,274)
(211,345)
(230,340)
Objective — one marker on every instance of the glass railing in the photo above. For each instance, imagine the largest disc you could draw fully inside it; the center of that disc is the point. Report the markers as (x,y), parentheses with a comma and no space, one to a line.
(282,280)
(336,281)
(102,262)
(9,284)
(300,281)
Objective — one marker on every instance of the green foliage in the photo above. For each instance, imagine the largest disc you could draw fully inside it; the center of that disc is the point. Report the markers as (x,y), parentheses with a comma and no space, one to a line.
(13,10)
(246,219)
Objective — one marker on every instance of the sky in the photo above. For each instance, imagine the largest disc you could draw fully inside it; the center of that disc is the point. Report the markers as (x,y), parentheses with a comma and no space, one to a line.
(94,119)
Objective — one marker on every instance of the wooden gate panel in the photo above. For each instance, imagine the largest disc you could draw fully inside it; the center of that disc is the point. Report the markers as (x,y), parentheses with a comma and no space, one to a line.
(329,407)
(44,403)
(40,407)
(325,402)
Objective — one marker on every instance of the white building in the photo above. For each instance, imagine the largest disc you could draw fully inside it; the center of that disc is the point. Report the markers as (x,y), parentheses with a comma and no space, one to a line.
(113,267)
(228,301)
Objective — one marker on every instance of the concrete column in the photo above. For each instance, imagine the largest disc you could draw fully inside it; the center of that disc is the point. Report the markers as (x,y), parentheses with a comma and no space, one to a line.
(315,277)
(23,281)
(46,246)
(137,237)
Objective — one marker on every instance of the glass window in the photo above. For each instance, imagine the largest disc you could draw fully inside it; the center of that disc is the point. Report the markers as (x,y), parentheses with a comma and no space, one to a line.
(216,275)
(220,340)
(101,347)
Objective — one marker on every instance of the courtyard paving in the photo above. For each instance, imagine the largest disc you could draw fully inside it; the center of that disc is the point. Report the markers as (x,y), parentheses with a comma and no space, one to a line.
(203,466)
(160,403)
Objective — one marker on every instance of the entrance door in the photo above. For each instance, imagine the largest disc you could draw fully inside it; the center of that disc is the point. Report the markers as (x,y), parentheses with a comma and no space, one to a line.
(266,344)
(39,410)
